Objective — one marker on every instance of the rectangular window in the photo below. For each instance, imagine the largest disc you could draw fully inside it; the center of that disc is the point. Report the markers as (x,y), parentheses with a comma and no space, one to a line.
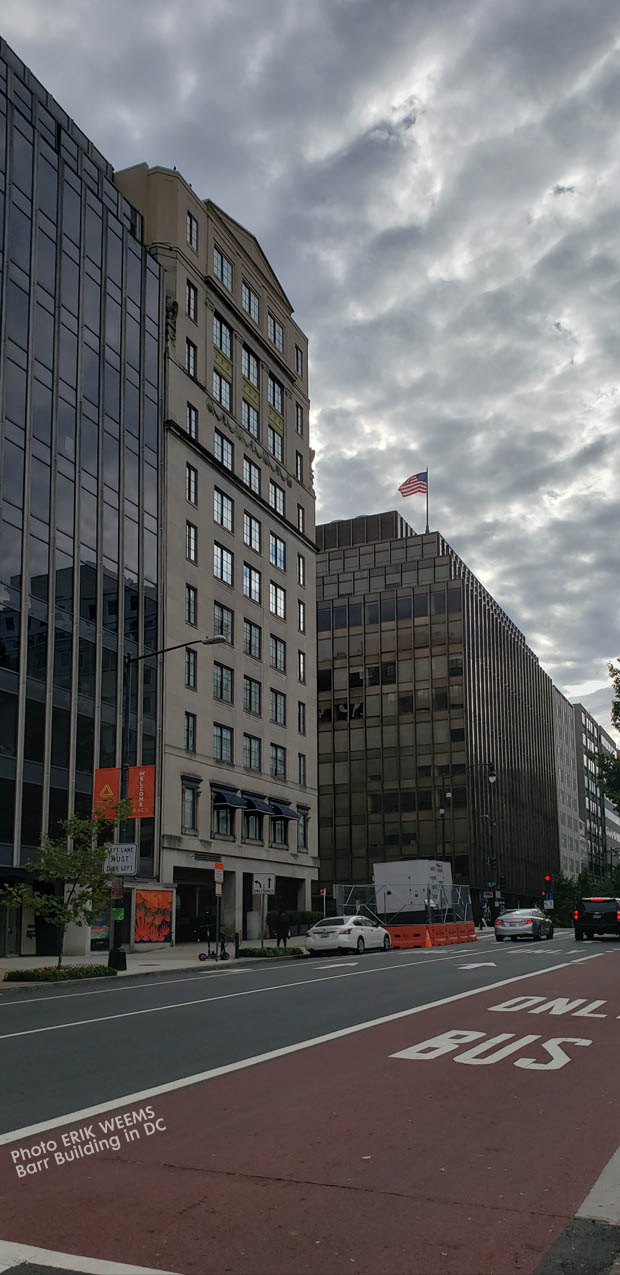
(192,232)
(302,828)
(251,583)
(191,358)
(275,332)
(250,302)
(223,621)
(251,532)
(301,667)
(251,695)
(223,450)
(250,419)
(277,762)
(277,701)
(252,753)
(191,420)
(223,820)
(299,361)
(222,564)
(249,366)
(221,390)
(222,335)
(251,475)
(275,443)
(277,552)
(191,484)
(222,267)
(191,604)
(222,682)
(299,419)
(301,769)
(223,509)
(191,668)
(252,823)
(301,519)
(191,542)
(299,467)
(276,497)
(274,394)
(252,639)
(279,832)
(190,732)
(277,600)
(277,653)
(191,300)
(222,742)
(301,617)
(301,569)
(301,717)
(189,808)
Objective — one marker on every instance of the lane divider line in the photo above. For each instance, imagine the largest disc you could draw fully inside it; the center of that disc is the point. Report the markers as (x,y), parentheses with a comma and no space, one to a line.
(602,1204)
(130,1100)
(11,1254)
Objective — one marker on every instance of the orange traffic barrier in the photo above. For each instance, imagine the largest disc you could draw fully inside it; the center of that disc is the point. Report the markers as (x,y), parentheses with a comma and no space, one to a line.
(406,935)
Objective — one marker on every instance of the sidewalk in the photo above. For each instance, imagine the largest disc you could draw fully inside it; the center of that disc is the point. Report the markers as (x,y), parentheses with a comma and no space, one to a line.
(154,960)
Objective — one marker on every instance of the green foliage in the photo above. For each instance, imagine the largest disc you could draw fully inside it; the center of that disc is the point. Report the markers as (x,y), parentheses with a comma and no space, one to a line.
(271,952)
(607,767)
(52,974)
(74,865)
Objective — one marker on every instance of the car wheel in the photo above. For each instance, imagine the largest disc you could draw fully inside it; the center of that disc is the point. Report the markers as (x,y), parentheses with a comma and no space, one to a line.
(499,938)
(361,946)
(578,936)
(550,934)
(513,940)
(387,943)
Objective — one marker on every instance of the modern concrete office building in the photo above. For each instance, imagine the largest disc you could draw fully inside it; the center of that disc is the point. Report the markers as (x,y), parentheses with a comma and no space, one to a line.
(600,821)
(81,385)
(426,689)
(571,858)
(239,778)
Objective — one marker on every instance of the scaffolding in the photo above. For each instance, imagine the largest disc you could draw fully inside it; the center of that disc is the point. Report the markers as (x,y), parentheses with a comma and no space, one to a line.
(433,904)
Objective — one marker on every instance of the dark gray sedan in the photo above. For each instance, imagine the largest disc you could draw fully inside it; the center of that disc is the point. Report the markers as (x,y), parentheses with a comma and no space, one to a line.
(523,923)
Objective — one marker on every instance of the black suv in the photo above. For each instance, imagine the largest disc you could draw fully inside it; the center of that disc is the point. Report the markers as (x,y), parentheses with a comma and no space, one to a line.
(597,916)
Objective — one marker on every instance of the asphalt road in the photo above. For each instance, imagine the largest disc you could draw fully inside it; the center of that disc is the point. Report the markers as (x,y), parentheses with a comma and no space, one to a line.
(304,1116)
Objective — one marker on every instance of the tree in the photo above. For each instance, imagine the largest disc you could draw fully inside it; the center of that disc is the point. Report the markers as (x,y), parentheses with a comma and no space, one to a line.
(608,767)
(74,865)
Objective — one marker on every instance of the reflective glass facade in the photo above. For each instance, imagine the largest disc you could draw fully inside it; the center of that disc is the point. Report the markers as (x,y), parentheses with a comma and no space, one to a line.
(80,429)
(422,681)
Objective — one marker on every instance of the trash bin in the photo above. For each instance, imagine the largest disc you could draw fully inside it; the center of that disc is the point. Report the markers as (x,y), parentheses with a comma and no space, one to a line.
(117,959)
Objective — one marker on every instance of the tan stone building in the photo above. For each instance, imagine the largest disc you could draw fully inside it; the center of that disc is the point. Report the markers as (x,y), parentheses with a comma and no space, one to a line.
(239,749)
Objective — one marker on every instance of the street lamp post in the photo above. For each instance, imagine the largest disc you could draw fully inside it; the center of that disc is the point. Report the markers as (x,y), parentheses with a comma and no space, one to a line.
(489,766)
(129,662)
(445,796)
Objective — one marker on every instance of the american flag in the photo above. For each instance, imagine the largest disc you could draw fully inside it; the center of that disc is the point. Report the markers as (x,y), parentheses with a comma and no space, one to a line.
(417,482)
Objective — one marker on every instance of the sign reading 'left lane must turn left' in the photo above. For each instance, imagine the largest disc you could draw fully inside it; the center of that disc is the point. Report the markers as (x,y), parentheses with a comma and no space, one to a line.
(141,790)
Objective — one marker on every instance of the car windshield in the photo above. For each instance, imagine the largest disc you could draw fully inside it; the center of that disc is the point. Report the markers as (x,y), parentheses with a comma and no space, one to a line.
(332,920)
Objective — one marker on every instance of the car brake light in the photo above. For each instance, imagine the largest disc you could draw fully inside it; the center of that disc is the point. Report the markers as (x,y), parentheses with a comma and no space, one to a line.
(528,920)
(618,914)
(576,915)
(597,899)
(497,921)
(346,931)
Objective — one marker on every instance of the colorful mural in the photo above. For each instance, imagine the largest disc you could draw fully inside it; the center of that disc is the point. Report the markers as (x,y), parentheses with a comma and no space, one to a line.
(153,922)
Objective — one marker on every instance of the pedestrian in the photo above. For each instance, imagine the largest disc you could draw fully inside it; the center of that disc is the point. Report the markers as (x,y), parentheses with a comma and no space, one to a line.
(281,930)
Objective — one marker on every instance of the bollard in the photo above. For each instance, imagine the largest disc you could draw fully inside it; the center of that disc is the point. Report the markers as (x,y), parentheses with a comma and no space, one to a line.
(117,959)
(236,944)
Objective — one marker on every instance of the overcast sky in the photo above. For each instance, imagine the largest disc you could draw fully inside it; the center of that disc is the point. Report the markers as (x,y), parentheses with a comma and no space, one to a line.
(437,185)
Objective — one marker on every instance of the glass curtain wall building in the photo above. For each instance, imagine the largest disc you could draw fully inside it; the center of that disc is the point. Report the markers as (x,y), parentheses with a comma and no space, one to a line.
(81,411)
(423,683)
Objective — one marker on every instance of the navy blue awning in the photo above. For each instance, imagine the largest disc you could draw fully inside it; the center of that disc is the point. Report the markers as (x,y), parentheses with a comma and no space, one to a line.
(281,811)
(257,804)
(226,796)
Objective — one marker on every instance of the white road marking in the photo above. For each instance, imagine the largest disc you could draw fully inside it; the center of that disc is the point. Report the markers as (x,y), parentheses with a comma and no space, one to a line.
(602,1204)
(476,965)
(129,1100)
(342,965)
(12,1254)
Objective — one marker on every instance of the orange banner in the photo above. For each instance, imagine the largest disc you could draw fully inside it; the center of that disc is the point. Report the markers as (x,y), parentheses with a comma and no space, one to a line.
(142,791)
(106,788)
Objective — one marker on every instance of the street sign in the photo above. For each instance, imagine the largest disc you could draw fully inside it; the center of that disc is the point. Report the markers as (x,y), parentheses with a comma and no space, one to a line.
(116,888)
(323,893)
(218,889)
(263,883)
(548,905)
(219,873)
(492,884)
(122,859)
(487,894)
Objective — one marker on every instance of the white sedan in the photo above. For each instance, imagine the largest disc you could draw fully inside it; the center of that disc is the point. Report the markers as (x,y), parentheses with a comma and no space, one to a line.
(347,934)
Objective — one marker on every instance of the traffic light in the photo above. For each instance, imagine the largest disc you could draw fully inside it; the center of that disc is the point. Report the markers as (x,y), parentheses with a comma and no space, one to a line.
(547,889)
(493,862)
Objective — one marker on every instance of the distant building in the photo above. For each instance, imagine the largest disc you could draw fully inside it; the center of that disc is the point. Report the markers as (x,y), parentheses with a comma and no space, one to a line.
(601,822)
(239,780)
(424,686)
(81,383)
(571,858)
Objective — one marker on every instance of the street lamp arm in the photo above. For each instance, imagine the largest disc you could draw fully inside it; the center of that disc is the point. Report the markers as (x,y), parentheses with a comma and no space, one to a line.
(151,655)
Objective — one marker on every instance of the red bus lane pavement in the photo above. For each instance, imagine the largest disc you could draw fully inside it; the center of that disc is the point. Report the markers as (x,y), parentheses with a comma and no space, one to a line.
(456,1139)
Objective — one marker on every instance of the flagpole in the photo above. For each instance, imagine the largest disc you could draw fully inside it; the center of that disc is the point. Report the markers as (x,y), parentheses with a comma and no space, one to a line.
(427,502)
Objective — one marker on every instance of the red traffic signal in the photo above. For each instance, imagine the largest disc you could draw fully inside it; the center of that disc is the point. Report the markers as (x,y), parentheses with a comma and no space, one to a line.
(547,878)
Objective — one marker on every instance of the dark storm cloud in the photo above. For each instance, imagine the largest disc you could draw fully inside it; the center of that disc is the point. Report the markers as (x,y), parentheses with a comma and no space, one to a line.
(437,185)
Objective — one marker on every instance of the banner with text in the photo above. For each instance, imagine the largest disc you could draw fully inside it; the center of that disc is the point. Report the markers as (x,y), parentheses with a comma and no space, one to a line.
(142,792)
